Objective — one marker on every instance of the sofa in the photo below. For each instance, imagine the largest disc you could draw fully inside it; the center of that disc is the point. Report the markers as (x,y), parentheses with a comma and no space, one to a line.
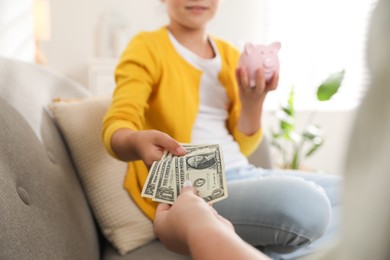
(47,208)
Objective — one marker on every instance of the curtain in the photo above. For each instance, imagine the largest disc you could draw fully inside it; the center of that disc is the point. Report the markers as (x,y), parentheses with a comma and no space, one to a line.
(16,30)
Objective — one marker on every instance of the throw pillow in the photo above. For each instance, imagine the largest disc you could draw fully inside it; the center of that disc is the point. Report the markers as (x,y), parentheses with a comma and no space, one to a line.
(102,176)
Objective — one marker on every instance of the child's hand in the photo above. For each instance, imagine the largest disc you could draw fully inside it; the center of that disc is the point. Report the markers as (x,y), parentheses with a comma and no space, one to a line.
(151,145)
(253,95)
(147,145)
(252,99)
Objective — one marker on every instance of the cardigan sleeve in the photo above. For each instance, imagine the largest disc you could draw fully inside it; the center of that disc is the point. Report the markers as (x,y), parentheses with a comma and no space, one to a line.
(248,144)
(134,76)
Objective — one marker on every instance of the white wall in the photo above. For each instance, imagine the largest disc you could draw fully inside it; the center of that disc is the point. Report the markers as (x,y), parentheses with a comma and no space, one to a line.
(76,28)
(75,25)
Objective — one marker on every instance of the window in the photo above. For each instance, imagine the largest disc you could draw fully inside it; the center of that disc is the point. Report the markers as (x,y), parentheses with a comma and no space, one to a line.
(319,38)
(16,30)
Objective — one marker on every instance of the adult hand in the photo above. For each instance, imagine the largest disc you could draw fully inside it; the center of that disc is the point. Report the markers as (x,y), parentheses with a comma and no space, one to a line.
(174,225)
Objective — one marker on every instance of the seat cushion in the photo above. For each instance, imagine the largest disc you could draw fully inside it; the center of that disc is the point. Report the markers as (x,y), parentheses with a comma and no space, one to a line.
(151,251)
(43,211)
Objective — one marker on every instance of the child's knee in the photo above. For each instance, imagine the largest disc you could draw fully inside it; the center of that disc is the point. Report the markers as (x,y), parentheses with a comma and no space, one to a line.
(306,207)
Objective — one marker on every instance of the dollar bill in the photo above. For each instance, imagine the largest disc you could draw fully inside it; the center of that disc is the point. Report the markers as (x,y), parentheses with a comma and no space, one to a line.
(202,165)
(205,169)
(165,190)
(151,182)
(163,182)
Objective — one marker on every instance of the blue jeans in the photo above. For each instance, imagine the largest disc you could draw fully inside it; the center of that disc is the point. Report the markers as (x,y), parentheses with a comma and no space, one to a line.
(285,213)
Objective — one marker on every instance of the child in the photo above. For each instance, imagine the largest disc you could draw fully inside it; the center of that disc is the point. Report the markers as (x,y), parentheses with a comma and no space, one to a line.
(180,85)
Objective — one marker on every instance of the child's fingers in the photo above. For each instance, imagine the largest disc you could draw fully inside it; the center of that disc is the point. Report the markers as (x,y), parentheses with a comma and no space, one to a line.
(274,82)
(171,145)
(237,71)
(260,82)
(239,77)
(244,78)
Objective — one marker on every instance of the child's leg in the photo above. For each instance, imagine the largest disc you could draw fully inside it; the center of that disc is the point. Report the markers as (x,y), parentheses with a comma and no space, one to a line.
(280,211)
(333,187)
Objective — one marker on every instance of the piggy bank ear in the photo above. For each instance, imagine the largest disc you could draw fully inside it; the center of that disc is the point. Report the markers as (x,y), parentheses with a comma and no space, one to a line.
(249,47)
(275,46)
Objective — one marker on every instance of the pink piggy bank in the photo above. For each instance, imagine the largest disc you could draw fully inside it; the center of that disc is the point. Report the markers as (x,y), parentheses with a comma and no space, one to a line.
(260,56)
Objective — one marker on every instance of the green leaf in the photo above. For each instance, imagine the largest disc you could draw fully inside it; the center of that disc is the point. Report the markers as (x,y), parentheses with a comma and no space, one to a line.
(311,132)
(276,145)
(292,137)
(314,148)
(295,161)
(286,125)
(291,102)
(330,86)
(287,109)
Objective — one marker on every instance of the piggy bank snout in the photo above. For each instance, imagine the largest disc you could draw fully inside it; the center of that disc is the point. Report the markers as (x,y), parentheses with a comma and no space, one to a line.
(260,56)
(269,62)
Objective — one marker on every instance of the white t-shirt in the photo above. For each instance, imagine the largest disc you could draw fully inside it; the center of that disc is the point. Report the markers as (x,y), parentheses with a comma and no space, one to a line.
(210,123)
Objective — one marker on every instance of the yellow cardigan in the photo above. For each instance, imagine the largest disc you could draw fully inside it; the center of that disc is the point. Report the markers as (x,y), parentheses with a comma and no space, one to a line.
(158,89)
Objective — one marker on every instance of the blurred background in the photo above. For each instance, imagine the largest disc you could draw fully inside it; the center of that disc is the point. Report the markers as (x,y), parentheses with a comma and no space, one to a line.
(83,40)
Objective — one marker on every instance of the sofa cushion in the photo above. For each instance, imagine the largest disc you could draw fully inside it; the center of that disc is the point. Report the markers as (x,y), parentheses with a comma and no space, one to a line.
(102,176)
(43,211)
(151,251)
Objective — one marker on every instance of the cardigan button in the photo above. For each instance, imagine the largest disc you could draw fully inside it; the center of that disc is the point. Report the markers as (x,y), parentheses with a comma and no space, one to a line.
(23,194)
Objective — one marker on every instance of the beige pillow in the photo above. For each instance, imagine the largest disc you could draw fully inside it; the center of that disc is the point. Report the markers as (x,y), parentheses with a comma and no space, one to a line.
(102,176)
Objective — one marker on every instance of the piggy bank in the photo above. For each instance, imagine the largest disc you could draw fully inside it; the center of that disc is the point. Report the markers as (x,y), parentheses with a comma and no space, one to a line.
(260,56)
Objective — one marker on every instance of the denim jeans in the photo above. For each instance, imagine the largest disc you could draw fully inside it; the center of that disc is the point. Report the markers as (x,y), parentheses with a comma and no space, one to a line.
(285,213)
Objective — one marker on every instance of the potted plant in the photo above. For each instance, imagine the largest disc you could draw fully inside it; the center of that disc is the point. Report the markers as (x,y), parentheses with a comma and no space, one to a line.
(293,145)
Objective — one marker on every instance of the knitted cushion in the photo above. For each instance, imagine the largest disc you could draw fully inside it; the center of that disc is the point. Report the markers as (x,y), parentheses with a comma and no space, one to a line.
(102,176)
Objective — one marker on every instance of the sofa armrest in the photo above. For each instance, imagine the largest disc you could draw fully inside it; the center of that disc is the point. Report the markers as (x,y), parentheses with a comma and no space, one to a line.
(261,157)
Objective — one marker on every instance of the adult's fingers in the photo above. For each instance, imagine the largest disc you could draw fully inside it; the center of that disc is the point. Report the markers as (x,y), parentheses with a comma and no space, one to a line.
(187,188)
(162,207)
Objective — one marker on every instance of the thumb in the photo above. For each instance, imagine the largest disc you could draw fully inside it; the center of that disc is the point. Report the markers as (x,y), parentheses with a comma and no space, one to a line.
(170,144)
(187,188)
(162,207)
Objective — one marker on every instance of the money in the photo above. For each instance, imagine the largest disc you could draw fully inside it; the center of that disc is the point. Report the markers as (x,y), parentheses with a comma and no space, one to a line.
(202,164)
